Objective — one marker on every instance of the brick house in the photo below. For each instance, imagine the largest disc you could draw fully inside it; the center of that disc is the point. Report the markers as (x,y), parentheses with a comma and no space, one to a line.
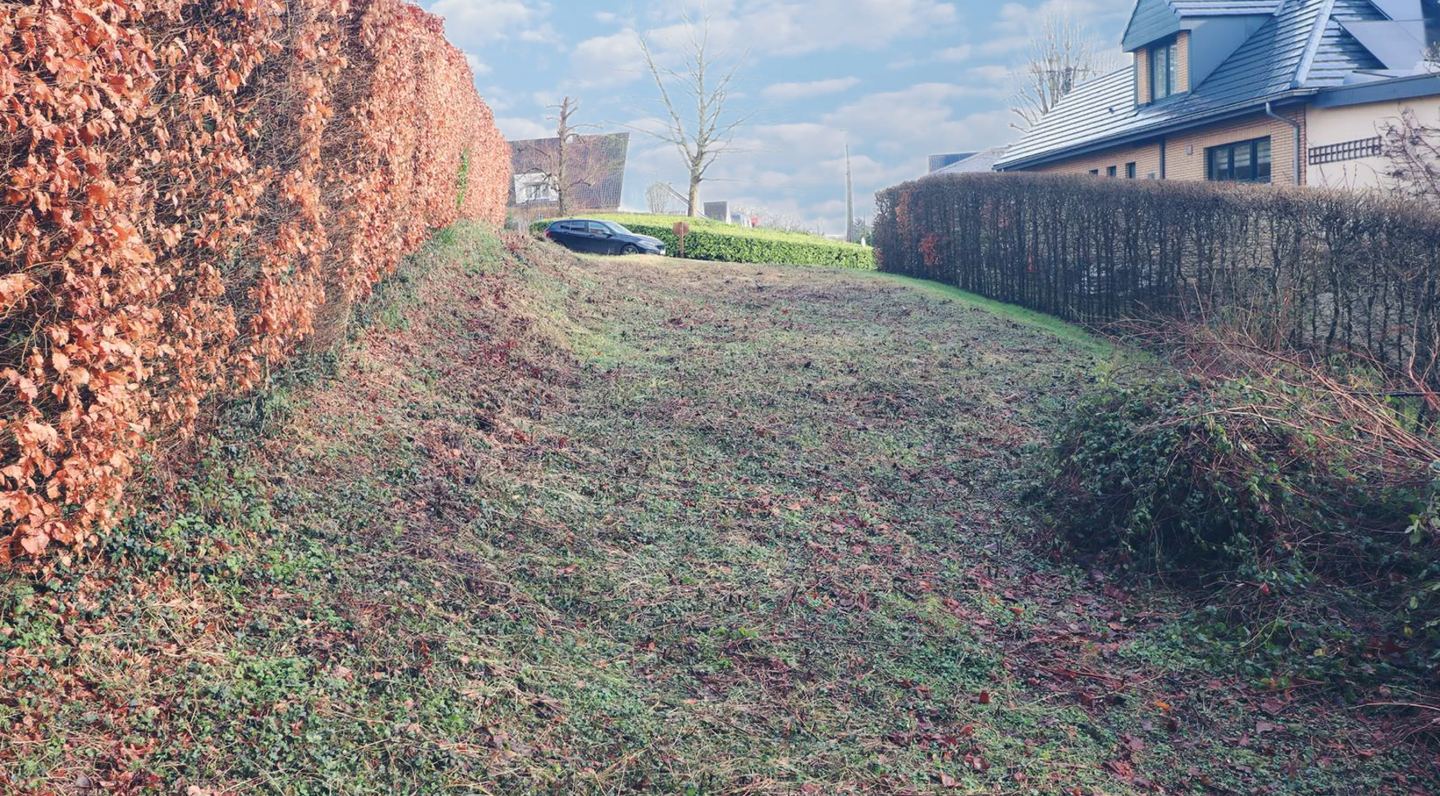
(596,173)
(1284,91)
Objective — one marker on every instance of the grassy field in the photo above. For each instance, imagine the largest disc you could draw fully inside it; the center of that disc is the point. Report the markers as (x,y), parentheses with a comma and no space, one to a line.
(634,526)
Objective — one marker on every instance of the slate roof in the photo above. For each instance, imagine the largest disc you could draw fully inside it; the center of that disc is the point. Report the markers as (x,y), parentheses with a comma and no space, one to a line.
(1302,49)
(980,162)
(938,162)
(1154,19)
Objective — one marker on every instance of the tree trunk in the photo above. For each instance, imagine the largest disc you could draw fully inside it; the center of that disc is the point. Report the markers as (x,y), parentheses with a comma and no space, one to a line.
(560,188)
(694,197)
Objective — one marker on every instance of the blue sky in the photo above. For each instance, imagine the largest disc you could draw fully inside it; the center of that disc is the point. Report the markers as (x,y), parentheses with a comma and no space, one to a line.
(898,79)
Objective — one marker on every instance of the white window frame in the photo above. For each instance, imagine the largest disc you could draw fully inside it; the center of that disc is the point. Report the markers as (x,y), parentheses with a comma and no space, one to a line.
(534,188)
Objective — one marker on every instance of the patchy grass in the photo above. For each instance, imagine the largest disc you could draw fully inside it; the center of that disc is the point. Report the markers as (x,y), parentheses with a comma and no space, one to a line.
(619,525)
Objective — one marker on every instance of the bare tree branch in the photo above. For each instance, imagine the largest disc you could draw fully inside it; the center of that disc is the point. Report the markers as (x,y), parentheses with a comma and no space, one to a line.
(575,162)
(703,134)
(1413,149)
(1063,55)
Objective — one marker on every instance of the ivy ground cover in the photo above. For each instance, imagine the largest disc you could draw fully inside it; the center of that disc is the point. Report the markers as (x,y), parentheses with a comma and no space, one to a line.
(632,525)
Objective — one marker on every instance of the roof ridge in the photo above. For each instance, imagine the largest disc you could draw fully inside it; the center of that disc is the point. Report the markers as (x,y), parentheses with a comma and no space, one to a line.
(1312,47)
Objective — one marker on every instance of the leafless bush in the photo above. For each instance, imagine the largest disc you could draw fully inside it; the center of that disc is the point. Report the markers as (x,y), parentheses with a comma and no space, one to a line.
(1413,150)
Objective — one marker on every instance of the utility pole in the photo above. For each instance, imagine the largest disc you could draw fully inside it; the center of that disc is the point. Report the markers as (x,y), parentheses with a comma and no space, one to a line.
(849,199)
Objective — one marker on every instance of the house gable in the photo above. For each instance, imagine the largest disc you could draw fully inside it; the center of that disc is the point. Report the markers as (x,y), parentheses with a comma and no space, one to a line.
(602,163)
(1292,56)
(1151,21)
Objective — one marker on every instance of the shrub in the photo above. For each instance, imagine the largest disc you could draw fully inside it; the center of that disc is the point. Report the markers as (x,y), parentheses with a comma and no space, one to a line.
(1294,268)
(1253,469)
(715,241)
(1308,525)
(195,187)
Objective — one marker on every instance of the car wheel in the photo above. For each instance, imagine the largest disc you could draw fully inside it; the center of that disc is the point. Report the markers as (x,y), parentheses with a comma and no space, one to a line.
(629,249)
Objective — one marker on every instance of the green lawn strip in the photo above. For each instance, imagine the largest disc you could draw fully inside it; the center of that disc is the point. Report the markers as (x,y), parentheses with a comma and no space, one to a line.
(716,241)
(1069,332)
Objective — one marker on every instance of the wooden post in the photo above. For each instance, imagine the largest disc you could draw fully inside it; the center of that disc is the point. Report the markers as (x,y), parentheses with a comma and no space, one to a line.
(681,230)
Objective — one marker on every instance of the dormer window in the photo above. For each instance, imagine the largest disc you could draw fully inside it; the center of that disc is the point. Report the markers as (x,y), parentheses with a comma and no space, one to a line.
(1165,69)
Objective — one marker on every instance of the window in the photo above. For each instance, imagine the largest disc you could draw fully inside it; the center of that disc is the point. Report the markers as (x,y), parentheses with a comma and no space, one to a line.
(1129,171)
(1244,161)
(1165,70)
(534,187)
(1094,172)
(1111,172)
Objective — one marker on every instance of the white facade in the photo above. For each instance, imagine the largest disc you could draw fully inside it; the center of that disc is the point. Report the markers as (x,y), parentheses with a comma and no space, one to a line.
(1346,140)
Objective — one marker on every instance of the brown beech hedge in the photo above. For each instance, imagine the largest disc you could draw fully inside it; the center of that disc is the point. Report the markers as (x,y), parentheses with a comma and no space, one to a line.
(193,188)
(1299,268)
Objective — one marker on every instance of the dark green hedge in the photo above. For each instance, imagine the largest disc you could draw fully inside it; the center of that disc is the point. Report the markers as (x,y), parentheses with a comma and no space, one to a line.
(710,240)
(1295,267)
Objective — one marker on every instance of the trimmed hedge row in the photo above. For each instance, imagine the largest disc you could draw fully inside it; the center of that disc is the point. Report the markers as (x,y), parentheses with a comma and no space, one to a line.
(717,242)
(1328,270)
(194,188)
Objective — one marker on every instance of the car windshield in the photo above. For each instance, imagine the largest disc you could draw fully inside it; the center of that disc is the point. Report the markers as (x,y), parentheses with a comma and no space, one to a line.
(616,228)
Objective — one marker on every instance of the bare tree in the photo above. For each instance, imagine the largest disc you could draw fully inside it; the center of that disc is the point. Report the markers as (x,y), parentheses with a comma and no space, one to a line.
(696,98)
(573,161)
(662,199)
(1063,55)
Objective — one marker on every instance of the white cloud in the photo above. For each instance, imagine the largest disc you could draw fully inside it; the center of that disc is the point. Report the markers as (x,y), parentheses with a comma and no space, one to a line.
(766,29)
(607,60)
(473,23)
(1018,23)
(477,67)
(790,92)
(921,117)
(949,55)
(991,74)
(808,26)
(523,129)
(955,54)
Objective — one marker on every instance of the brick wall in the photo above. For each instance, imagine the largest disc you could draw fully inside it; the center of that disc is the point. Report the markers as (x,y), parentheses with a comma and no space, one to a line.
(1182,82)
(1146,159)
(1142,74)
(1186,154)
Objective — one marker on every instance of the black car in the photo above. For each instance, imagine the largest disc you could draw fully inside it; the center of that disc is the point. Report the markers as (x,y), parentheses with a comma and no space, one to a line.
(601,237)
